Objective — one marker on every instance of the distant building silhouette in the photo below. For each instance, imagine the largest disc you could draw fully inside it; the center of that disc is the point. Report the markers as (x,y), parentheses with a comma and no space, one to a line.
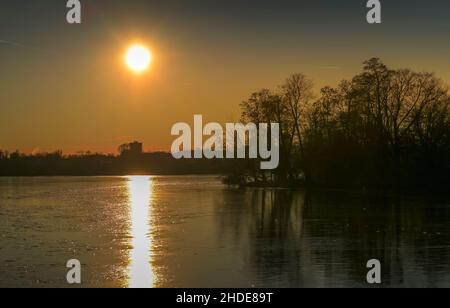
(134,149)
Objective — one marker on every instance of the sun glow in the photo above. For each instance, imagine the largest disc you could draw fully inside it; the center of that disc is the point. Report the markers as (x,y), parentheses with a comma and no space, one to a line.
(138,58)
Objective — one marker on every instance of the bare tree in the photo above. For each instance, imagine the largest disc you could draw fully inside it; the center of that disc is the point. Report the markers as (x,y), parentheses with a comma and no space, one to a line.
(298,95)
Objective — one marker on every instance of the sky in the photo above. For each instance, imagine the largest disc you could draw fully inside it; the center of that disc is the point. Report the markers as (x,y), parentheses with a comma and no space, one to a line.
(66,86)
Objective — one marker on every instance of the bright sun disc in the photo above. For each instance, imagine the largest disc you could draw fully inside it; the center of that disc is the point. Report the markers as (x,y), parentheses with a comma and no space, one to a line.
(138,58)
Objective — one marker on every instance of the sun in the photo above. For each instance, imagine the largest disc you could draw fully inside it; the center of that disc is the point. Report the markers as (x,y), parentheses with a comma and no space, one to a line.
(138,58)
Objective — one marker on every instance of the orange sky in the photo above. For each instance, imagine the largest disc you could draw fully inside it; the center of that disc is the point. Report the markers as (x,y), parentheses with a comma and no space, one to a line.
(66,87)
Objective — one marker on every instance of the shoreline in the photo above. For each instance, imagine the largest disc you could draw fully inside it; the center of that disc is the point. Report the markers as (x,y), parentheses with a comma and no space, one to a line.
(219,177)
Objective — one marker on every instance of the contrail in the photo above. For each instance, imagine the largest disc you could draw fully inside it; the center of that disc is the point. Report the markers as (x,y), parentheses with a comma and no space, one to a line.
(11,43)
(16,44)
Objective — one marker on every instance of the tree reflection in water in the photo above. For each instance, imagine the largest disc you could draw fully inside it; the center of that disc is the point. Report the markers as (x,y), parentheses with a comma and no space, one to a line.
(295,239)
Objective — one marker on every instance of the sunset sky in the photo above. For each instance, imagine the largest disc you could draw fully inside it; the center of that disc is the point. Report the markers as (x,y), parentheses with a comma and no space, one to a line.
(66,86)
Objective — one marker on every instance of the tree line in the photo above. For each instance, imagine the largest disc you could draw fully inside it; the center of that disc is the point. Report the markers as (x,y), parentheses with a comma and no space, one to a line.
(97,164)
(383,129)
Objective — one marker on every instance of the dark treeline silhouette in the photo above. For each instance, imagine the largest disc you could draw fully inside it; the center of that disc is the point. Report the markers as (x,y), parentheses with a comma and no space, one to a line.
(131,161)
(383,130)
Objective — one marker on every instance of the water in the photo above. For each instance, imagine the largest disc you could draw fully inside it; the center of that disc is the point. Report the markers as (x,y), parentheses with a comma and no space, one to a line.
(195,232)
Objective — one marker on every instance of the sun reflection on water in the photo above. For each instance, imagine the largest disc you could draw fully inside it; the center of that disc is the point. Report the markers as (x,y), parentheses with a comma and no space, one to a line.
(141,273)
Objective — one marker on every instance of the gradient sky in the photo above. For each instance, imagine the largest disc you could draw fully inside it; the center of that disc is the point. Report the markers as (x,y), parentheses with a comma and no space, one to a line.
(65,86)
